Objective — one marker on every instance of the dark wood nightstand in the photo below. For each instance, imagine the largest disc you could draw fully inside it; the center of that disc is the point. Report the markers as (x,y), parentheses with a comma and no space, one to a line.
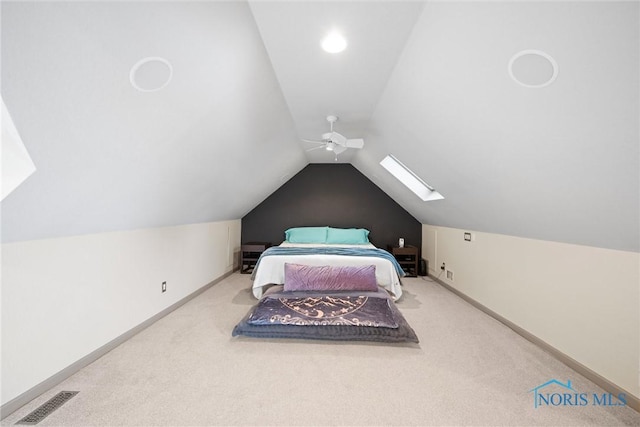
(407,258)
(249,254)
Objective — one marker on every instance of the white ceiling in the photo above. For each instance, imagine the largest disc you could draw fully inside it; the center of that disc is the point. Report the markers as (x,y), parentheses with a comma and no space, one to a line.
(426,82)
(349,84)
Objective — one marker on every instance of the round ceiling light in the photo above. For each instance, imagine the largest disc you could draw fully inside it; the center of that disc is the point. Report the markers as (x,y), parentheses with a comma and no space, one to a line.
(151,74)
(334,43)
(533,68)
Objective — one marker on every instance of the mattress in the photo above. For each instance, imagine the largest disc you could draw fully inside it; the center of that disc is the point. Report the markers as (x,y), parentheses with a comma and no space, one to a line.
(270,269)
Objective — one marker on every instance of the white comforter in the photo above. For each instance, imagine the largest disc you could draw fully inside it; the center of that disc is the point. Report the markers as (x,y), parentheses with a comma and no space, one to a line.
(270,271)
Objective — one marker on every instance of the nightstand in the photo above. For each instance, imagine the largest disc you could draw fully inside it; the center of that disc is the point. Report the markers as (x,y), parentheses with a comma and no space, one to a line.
(249,254)
(407,257)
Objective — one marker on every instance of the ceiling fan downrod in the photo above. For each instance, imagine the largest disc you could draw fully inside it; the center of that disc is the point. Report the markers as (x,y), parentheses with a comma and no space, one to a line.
(332,120)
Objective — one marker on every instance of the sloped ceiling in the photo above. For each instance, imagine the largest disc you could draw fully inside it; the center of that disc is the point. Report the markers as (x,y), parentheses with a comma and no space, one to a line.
(559,163)
(209,146)
(349,85)
(426,82)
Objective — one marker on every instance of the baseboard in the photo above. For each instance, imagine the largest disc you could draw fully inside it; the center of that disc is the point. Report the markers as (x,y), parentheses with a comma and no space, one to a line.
(26,397)
(632,401)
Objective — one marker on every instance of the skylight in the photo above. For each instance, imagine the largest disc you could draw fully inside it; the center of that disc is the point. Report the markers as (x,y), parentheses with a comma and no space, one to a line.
(410,179)
(16,163)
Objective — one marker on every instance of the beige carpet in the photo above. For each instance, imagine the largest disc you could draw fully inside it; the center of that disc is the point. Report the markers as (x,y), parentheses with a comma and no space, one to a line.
(186,369)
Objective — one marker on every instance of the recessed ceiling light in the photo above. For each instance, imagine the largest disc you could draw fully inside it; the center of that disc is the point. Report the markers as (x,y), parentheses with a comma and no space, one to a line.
(334,43)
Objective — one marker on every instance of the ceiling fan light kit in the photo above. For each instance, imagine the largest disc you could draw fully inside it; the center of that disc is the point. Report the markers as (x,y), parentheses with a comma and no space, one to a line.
(335,142)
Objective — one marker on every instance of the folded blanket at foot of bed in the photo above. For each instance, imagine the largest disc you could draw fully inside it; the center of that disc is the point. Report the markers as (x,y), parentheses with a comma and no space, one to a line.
(343,316)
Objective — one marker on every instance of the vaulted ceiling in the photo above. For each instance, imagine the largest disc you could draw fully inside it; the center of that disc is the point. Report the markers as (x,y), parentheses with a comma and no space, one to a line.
(428,82)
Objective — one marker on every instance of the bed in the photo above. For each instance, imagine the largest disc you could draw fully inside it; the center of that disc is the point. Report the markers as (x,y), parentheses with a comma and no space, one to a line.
(326,246)
(327,285)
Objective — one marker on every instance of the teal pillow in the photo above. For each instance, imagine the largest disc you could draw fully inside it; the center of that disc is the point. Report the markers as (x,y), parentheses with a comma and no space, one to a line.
(348,236)
(306,235)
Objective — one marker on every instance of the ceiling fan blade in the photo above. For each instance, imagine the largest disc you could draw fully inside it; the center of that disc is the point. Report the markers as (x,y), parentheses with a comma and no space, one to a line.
(315,148)
(355,143)
(338,139)
(339,149)
(314,141)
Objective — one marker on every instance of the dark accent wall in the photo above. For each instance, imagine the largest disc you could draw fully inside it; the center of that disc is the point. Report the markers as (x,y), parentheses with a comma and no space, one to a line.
(337,195)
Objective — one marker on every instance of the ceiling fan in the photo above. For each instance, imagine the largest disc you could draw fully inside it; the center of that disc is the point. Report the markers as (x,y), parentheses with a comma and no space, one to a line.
(335,142)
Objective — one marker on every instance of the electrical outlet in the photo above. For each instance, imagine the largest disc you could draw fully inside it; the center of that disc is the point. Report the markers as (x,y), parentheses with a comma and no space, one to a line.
(164,286)
(442,267)
(450,275)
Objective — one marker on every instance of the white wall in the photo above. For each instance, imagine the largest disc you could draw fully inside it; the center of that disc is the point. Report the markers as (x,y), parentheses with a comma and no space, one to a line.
(582,300)
(66,297)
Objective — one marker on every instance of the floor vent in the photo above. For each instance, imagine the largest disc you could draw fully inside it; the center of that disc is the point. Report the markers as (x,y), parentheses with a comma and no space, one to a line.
(47,408)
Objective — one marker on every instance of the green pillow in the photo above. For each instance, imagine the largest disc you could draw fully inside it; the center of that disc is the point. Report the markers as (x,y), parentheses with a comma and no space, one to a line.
(348,236)
(306,235)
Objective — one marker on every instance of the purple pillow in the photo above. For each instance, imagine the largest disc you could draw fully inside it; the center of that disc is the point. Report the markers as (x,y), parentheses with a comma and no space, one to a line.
(298,277)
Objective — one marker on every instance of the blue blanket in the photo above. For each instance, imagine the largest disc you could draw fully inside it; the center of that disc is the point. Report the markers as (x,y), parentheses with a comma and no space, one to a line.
(370,252)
